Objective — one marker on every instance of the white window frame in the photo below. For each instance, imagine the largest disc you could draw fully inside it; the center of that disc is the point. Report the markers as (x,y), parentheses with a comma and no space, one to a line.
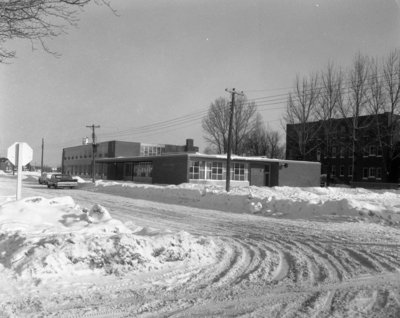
(372,151)
(379,173)
(239,171)
(371,172)
(365,173)
(350,171)
(218,170)
(365,151)
(379,151)
(194,170)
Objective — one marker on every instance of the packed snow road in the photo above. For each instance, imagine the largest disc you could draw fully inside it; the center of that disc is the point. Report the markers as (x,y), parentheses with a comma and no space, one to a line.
(257,267)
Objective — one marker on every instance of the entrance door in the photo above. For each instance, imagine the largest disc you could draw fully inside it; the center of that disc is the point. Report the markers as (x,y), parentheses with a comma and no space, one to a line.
(267,173)
(260,175)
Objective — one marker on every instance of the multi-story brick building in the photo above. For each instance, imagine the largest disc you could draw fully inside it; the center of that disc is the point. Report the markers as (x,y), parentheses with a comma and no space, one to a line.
(78,160)
(367,153)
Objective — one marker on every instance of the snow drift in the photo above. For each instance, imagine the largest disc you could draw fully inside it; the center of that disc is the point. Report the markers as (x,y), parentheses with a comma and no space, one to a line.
(289,202)
(43,239)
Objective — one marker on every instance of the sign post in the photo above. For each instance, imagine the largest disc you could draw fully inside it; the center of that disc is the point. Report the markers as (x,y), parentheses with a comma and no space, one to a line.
(19,154)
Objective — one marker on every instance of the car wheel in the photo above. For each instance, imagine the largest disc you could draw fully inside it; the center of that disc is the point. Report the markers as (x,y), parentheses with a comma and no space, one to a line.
(48,186)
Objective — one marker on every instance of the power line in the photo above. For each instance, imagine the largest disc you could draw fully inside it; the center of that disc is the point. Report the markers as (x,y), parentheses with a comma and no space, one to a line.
(263,104)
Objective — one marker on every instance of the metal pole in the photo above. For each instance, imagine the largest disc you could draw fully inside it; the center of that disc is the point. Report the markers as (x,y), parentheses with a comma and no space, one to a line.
(93,151)
(228,158)
(41,161)
(18,160)
(228,155)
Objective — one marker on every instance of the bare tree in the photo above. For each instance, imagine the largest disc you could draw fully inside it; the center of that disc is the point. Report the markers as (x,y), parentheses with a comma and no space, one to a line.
(357,88)
(391,85)
(243,123)
(356,104)
(275,149)
(300,110)
(263,142)
(327,110)
(216,124)
(256,143)
(36,20)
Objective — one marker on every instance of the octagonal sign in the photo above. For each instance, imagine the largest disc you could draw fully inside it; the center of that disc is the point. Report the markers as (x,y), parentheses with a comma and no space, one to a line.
(26,153)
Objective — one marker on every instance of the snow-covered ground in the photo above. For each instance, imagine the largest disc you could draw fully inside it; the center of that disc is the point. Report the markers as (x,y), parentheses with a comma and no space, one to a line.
(117,249)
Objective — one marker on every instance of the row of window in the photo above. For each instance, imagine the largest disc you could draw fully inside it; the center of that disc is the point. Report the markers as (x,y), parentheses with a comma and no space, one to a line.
(341,172)
(85,156)
(368,151)
(138,169)
(368,172)
(149,150)
(372,151)
(85,170)
(215,170)
(372,173)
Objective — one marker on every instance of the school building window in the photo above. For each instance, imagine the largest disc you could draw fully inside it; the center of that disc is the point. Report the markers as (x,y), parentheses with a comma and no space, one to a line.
(216,170)
(372,150)
(194,170)
(151,150)
(365,173)
(378,173)
(142,169)
(372,172)
(239,172)
(342,171)
(350,171)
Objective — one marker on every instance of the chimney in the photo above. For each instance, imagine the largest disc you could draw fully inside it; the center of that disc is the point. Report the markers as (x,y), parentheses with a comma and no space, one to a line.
(189,145)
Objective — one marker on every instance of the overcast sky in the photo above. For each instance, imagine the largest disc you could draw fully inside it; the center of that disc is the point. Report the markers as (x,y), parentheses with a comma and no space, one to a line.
(160,60)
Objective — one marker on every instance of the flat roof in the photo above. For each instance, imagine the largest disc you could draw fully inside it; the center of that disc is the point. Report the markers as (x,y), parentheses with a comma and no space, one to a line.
(141,158)
(204,156)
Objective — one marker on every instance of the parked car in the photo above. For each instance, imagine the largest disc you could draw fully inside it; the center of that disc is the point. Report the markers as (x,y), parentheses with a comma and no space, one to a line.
(61,181)
(44,177)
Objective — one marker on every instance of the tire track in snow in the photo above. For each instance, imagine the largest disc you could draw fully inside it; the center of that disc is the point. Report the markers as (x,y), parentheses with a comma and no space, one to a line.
(269,267)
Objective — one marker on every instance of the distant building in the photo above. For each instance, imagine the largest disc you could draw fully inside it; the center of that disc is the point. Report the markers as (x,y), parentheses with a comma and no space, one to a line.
(77,160)
(6,165)
(367,154)
(211,169)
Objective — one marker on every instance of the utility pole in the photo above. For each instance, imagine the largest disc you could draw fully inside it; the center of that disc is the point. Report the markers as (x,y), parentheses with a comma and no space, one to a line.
(93,127)
(41,161)
(228,157)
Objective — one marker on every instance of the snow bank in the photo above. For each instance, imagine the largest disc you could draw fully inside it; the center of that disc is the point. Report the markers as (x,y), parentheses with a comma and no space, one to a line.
(79,179)
(290,202)
(42,239)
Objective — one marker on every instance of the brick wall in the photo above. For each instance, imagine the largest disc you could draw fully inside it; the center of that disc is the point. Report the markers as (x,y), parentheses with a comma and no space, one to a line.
(170,170)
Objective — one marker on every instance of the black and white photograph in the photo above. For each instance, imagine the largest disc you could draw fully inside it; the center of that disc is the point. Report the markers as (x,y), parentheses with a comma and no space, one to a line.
(200,158)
